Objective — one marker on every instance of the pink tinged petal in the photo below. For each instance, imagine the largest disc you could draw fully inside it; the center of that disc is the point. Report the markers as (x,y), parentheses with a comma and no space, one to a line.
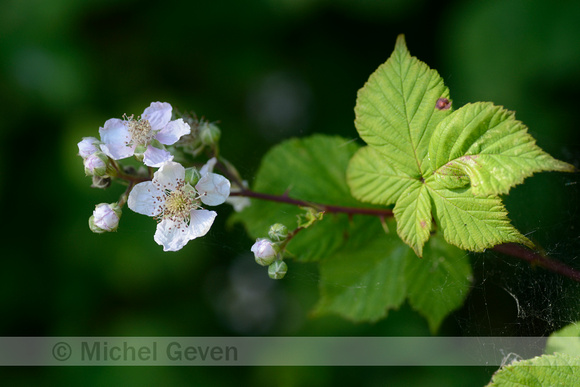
(118,152)
(145,198)
(208,167)
(116,137)
(158,114)
(173,132)
(93,162)
(214,189)
(87,146)
(105,217)
(169,175)
(114,131)
(155,157)
(263,248)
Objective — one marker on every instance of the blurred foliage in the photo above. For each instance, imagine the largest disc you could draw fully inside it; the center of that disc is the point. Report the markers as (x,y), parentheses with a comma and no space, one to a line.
(267,70)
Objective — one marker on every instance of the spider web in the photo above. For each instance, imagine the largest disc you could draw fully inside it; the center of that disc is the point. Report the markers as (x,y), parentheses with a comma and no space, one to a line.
(510,297)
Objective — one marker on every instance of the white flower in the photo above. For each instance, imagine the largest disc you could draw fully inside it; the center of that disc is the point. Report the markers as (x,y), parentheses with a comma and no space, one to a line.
(213,188)
(124,138)
(105,218)
(88,146)
(264,251)
(175,204)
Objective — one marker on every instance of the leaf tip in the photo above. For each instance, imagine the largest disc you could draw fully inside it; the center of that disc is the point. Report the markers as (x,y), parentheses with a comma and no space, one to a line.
(401,44)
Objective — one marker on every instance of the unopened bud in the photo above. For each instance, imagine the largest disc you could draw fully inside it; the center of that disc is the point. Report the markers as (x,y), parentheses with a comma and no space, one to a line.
(88,146)
(265,251)
(209,133)
(192,176)
(277,270)
(96,164)
(278,232)
(105,218)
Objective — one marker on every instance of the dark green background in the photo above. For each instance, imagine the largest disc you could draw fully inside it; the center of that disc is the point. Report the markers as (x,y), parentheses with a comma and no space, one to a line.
(267,70)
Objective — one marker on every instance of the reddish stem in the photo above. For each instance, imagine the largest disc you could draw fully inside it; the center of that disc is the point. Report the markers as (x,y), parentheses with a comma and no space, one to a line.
(321,207)
(535,258)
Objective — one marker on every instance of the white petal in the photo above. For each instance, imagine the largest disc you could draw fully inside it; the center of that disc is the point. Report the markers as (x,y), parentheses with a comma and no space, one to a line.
(201,221)
(115,136)
(239,202)
(171,235)
(155,157)
(146,199)
(118,152)
(173,132)
(214,189)
(208,167)
(169,175)
(158,114)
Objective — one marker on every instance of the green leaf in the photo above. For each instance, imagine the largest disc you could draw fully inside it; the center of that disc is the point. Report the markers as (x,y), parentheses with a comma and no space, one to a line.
(413,215)
(362,281)
(472,222)
(432,162)
(491,147)
(565,340)
(386,272)
(372,179)
(546,370)
(439,283)
(311,169)
(396,110)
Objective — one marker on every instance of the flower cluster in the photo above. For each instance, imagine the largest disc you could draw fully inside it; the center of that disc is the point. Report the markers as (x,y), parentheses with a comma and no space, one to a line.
(269,251)
(173,195)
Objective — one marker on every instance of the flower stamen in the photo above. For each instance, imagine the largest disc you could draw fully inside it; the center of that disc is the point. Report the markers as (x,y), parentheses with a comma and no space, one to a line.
(140,130)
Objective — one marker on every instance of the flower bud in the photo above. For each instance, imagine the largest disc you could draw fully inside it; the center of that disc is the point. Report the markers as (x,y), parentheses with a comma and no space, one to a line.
(264,251)
(96,164)
(105,218)
(192,176)
(278,232)
(88,146)
(209,133)
(277,270)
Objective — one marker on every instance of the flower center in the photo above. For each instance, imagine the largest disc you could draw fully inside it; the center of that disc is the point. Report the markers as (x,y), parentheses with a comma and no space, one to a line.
(179,203)
(140,130)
